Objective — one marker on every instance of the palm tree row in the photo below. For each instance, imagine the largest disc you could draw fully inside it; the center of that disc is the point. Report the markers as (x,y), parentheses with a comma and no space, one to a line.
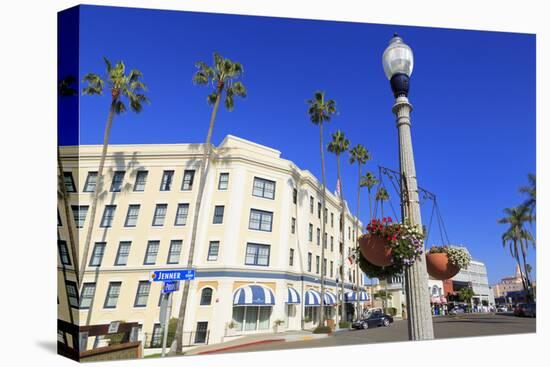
(517,237)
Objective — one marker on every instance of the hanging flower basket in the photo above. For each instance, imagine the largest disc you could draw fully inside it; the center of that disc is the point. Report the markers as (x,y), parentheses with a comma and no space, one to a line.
(376,250)
(444,262)
(388,244)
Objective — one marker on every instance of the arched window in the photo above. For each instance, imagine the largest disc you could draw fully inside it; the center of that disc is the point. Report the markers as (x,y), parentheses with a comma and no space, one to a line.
(206,297)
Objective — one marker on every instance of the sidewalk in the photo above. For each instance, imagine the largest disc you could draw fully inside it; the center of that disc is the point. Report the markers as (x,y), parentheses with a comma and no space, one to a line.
(245,341)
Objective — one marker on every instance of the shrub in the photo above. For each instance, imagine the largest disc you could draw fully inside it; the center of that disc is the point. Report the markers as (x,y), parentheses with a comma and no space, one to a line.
(322,330)
(344,325)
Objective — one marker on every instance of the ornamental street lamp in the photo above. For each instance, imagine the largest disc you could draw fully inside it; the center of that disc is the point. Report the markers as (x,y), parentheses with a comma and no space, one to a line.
(398,65)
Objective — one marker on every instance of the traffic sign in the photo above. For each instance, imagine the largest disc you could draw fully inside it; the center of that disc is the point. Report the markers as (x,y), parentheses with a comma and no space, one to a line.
(172,275)
(170,287)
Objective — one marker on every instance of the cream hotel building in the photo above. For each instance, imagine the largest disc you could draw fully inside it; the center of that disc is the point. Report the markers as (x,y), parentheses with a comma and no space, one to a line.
(258,248)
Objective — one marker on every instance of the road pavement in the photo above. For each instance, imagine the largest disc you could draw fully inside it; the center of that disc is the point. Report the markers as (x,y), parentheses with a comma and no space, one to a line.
(467,325)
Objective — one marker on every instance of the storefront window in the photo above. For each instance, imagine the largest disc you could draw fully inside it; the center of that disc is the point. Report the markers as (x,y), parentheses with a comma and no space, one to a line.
(251,318)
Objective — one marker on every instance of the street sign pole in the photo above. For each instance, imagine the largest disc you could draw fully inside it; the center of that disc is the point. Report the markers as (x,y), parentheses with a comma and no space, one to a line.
(168,303)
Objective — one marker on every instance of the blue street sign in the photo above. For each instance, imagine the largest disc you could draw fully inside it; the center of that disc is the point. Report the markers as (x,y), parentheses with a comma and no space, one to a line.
(172,275)
(170,287)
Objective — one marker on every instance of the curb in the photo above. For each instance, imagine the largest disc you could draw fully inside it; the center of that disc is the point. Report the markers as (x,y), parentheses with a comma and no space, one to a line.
(241,346)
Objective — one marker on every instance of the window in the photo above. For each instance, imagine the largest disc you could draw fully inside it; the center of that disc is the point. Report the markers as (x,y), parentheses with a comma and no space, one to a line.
(201,332)
(324,267)
(112,295)
(223,181)
(64,252)
(325,240)
(310,233)
(166,182)
(97,254)
(188,177)
(151,253)
(87,296)
(263,188)
(123,253)
(260,220)
(72,293)
(132,215)
(331,268)
(311,203)
(160,215)
(118,178)
(332,243)
(332,220)
(218,214)
(213,250)
(317,264)
(309,261)
(141,180)
(349,233)
(252,318)
(326,215)
(206,297)
(91,182)
(291,257)
(59,224)
(293,225)
(318,236)
(174,252)
(69,182)
(142,293)
(257,254)
(108,216)
(181,214)
(79,214)
(156,338)
(319,210)
(294,196)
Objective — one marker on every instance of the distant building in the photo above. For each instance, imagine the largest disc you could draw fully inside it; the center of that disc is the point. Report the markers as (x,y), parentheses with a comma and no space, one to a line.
(510,289)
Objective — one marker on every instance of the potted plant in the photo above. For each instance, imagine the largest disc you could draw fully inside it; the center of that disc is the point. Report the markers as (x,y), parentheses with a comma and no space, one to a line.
(389,244)
(278,325)
(444,262)
(231,329)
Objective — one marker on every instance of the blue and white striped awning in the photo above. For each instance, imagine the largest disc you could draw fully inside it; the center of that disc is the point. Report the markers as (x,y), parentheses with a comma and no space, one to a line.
(351,296)
(313,298)
(293,296)
(253,295)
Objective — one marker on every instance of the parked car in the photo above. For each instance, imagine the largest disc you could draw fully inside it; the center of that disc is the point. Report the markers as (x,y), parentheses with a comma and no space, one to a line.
(519,310)
(373,319)
(457,311)
(528,310)
(502,309)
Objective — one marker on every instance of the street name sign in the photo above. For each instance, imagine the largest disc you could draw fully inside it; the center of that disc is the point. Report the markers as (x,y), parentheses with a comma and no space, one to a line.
(172,275)
(170,286)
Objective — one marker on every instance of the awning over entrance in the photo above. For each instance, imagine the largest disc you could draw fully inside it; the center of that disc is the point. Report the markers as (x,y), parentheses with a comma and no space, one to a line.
(313,298)
(293,297)
(351,296)
(253,295)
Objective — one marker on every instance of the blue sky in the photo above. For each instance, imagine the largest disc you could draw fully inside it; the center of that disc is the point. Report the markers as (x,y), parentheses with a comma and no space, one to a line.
(473,95)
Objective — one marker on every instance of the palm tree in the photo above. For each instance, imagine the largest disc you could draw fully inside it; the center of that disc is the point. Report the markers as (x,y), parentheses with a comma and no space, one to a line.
(223,77)
(320,111)
(518,238)
(382,195)
(466,294)
(531,191)
(360,155)
(369,181)
(123,88)
(337,146)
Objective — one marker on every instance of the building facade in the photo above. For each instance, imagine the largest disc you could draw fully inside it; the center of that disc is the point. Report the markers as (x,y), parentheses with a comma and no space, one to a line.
(510,289)
(258,245)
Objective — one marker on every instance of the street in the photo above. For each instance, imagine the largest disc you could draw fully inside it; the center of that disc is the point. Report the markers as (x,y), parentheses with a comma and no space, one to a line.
(468,325)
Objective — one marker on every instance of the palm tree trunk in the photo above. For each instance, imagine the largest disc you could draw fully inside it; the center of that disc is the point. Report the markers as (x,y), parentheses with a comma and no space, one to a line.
(527,280)
(202,173)
(357,307)
(68,219)
(98,186)
(323,205)
(342,232)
